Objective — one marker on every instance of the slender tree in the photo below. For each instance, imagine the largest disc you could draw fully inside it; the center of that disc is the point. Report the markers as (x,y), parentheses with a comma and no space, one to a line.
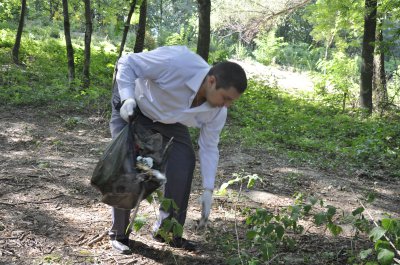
(126,28)
(17,45)
(380,96)
(203,43)
(367,55)
(88,40)
(68,42)
(141,32)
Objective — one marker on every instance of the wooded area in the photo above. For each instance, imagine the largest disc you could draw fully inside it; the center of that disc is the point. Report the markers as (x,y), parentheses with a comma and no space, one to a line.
(266,33)
(61,54)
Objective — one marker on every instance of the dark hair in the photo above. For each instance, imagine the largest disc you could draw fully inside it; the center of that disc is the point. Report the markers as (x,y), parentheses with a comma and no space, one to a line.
(229,74)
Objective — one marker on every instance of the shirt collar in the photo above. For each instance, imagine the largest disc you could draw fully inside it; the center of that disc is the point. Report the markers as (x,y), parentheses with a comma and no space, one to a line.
(195,82)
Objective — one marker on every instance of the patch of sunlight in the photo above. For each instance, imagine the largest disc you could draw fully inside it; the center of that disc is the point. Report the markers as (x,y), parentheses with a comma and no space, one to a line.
(268,198)
(297,171)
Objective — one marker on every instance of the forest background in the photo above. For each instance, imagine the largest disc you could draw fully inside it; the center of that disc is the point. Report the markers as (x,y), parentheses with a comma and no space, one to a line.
(61,54)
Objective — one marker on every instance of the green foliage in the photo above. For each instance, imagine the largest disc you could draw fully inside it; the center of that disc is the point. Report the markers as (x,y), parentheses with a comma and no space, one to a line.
(140,221)
(271,49)
(309,131)
(9,9)
(337,80)
(220,50)
(169,17)
(386,239)
(241,52)
(239,178)
(294,28)
(170,227)
(268,47)
(327,218)
(176,39)
(268,233)
(299,55)
(337,19)
(43,80)
(71,123)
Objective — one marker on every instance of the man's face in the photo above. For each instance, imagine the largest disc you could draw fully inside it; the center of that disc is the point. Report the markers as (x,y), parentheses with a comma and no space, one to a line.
(222,97)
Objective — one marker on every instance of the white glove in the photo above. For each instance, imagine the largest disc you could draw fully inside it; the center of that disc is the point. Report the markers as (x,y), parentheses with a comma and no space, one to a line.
(127,109)
(147,161)
(206,201)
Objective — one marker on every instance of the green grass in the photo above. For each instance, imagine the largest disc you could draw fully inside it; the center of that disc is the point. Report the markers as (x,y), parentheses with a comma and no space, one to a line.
(43,78)
(309,132)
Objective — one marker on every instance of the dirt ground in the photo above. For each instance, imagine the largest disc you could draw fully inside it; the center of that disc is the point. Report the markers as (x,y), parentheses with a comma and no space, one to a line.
(49,213)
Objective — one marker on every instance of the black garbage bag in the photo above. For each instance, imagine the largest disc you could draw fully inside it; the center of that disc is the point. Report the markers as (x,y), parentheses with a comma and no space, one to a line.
(124,182)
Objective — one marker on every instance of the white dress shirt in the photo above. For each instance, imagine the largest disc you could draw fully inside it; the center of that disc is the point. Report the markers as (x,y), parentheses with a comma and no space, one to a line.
(164,83)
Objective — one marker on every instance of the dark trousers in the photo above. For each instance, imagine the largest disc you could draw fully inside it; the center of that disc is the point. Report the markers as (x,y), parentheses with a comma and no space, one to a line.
(179,168)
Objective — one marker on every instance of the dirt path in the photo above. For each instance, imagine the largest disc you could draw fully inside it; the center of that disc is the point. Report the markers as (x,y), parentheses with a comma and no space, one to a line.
(49,212)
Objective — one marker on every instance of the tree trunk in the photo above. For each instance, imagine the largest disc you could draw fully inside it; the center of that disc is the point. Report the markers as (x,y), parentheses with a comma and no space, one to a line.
(17,45)
(380,95)
(126,28)
(367,55)
(140,35)
(203,43)
(88,39)
(68,43)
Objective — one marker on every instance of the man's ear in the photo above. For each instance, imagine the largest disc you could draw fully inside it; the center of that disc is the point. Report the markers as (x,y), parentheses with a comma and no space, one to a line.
(212,79)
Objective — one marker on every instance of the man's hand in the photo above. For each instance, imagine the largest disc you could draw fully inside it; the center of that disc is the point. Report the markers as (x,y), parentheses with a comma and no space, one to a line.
(206,201)
(127,109)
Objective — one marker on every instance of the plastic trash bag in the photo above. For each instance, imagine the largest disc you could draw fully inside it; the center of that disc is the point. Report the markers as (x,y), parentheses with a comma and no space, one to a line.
(122,180)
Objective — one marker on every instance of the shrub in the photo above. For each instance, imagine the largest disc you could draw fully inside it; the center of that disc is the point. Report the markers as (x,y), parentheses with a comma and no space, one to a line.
(267,47)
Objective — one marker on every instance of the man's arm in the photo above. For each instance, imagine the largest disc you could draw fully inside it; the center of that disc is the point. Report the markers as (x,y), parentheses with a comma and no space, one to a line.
(150,65)
(208,148)
(209,157)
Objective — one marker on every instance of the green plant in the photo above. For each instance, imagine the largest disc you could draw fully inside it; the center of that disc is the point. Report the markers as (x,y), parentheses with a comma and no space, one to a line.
(241,52)
(220,50)
(267,232)
(301,56)
(71,123)
(180,38)
(267,47)
(170,227)
(337,80)
(385,234)
(327,219)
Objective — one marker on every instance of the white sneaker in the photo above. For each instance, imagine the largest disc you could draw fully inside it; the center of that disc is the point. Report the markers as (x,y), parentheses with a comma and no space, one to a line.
(121,246)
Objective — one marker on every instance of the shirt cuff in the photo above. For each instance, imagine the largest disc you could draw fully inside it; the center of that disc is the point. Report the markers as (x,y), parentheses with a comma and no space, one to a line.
(126,93)
(208,183)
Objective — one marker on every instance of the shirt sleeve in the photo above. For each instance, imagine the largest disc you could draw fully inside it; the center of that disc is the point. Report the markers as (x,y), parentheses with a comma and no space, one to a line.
(208,148)
(150,65)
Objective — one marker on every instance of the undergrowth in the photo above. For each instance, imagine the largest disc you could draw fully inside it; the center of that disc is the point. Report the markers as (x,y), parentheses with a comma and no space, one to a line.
(42,77)
(268,235)
(308,132)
